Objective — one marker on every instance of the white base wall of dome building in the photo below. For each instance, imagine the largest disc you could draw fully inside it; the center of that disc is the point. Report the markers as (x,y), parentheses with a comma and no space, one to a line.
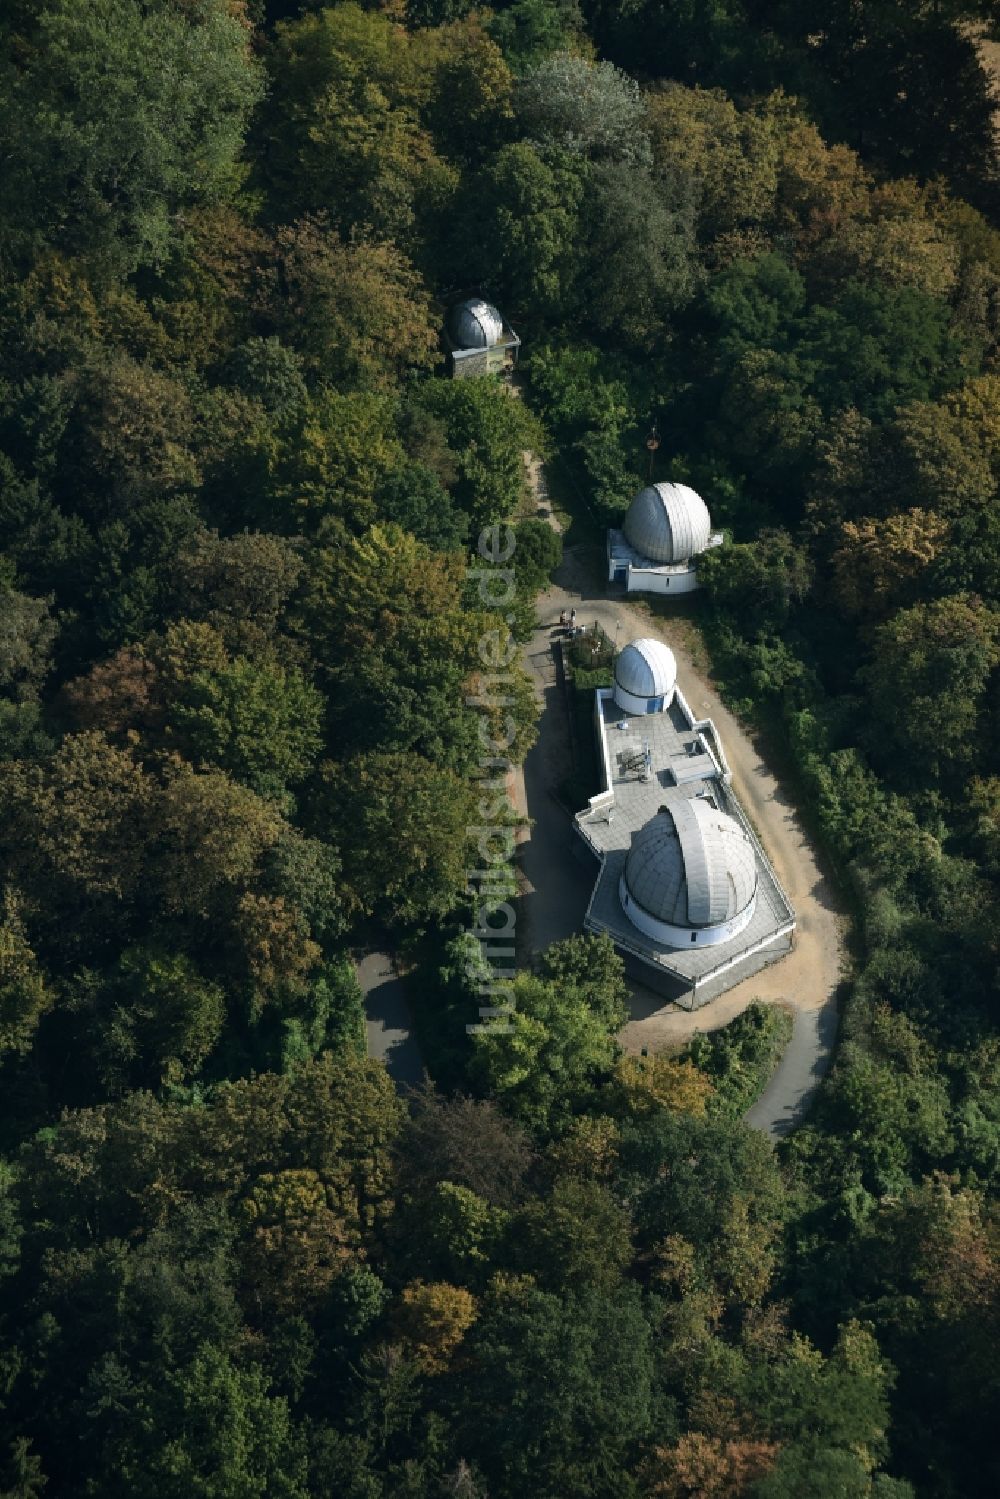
(628,702)
(658,580)
(684,937)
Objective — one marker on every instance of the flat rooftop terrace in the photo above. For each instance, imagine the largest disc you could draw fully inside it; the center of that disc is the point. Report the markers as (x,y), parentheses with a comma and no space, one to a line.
(648,758)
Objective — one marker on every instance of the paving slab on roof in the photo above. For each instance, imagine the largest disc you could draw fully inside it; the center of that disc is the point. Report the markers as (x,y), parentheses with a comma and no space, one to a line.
(636,801)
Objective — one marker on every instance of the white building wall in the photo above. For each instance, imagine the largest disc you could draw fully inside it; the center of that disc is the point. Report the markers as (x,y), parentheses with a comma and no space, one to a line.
(657,580)
(630,703)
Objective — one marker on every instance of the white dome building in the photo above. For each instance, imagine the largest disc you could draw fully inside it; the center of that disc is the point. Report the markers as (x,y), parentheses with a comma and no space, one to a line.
(668,523)
(645,677)
(665,530)
(476,324)
(690,876)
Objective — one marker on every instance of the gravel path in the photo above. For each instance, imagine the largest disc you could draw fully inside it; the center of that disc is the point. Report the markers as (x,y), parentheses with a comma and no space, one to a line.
(557,886)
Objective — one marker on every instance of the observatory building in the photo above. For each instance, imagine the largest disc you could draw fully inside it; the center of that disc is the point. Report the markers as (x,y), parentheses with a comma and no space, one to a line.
(645,677)
(690,875)
(478,340)
(684,888)
(665,530)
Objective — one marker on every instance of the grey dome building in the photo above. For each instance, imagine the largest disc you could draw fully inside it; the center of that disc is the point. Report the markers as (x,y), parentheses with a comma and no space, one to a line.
(665,530)
(645,677)
(690,875)
(476,324)
(478,339)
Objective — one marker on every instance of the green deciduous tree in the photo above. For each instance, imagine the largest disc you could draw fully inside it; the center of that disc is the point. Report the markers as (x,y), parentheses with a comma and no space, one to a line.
(256,719)
(24,994)
(730,156)
(207,1427)
(412,497)
(525,237)
(239,584)
(176,82)
(211,835)
(153,1016)
(881,347)
(569,1382)
(136,428)
(589,968)
(575,1239)
(638,264)
(402,825)
(77,820)
(890,1099)
(357,312)
(830,1416)
(343,126)
(929,668)
(538,554)
(305,873)
(139,1159)
(27,635)
(489,432)
(328,462)
(449,1233)
(544,1057)
(759,582)
(721,1192)
(529,30)
(589,109)
(951,448)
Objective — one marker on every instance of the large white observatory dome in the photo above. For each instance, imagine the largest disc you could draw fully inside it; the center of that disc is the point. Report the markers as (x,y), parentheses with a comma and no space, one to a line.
(690,876)
(475,324)
(668,523)
(645,677)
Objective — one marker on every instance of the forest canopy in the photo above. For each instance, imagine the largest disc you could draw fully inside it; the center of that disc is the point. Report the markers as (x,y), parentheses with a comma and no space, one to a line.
(241,640)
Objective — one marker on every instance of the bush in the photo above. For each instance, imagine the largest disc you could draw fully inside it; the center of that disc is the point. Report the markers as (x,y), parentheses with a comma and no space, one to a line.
(538,554)
(739,1058)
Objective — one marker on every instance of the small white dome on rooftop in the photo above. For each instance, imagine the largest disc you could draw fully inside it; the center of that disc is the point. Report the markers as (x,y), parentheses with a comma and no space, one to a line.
(668,523)
(691,866)
(645,669)
(476,324)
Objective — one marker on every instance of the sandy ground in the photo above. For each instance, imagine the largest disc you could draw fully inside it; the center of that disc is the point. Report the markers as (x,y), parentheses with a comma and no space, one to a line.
(558,874)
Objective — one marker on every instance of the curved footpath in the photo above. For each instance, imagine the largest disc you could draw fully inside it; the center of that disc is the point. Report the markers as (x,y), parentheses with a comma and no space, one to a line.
(557,884)
(388,1026)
